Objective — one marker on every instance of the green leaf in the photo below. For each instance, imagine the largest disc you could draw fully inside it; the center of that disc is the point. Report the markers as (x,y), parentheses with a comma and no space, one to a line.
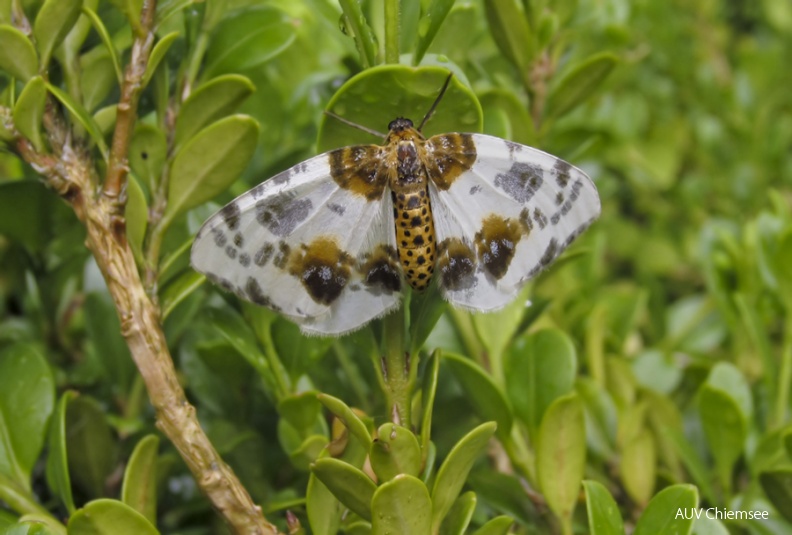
(724,406)
(136,216)
(486,396)
(693,463)
(561,454)
(76,36)
(112,352)
(139,490)
(497,526)
(510,31)
(210,162)
(323,509)
(539,368)
(212,101)
(454,471)
(580,83)
(248,39)
(17,56)
(376,96)
(351,486)
(131,10)
(603,512)
(96,78)
(505,116)
(148,151)
(157,55)
(639,467)
(401,505)
(109,517)
(27,398)
(458,518)
(430,23)
(53,22)
(28,212)
(661,515)
(233,328)
(777,485)
(351,420)
(496,329)
(300,410)
(108,43)
(396,451)
(29,111)
(178,289)
(81,115)
(307,452)
(57,470)
(91,447)
(428,392)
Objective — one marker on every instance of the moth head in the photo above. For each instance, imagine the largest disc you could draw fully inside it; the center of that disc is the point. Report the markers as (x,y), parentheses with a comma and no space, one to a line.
(400,124)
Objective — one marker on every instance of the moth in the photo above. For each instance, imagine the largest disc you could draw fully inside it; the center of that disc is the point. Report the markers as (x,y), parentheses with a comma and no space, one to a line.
(334,242)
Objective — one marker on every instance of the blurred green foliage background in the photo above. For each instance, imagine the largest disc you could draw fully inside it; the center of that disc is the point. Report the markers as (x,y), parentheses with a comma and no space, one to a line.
(668,324)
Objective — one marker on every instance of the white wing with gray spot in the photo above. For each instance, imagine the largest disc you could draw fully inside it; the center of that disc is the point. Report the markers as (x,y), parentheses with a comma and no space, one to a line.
(297,243)
(506,219)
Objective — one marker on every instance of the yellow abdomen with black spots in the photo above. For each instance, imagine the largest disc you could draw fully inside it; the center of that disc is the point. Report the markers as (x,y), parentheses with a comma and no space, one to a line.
(415,235)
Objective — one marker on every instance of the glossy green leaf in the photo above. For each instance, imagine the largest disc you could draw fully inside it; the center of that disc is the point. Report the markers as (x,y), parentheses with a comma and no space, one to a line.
(486,396)
(496,329)
(604,517)
(639,467)
(81,115)
(693,463)
(377,96)
(401,505)
(91,447)
(396,451)
(57,469)
(497,526)
(454,471)
(111,351)
(109,517)
(158,53)
(505,116)
(425,312)
(428,392)
(5,18)
(350,485)
(105,119)
(17,55)
(53,22)
(561,454)
(351,420)
(307,452)
(323,509)
(136,216)
(29,111)
(210,162)
(458,517)
(96,79)
(509,28)
(40,524)
(248,39)
(104,35)
(428,26)
(539,368)
(300,410)
(148,151)
(580,83)
(139,490)
(724,406)
(28,212)
(75,39)
(777,485)
(212,101)
(233,328)
(660,516)
(27,398)
(178,289)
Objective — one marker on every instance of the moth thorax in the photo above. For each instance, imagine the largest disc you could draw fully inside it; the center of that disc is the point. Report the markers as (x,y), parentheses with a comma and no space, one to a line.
(415,235)
(409,168)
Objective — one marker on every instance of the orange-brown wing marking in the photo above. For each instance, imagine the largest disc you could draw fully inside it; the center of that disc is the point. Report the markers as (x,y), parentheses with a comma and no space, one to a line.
(360,169)
(448,156)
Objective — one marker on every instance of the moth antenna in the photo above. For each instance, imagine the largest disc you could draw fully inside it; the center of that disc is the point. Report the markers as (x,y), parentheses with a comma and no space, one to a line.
(355,125)
(436,102)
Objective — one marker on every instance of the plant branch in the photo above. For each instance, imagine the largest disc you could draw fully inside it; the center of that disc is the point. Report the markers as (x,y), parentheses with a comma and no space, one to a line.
(396,369)
(118,166)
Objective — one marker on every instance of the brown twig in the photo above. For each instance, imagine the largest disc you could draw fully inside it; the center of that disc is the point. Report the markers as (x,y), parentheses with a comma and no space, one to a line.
(118,165)
(71,171)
